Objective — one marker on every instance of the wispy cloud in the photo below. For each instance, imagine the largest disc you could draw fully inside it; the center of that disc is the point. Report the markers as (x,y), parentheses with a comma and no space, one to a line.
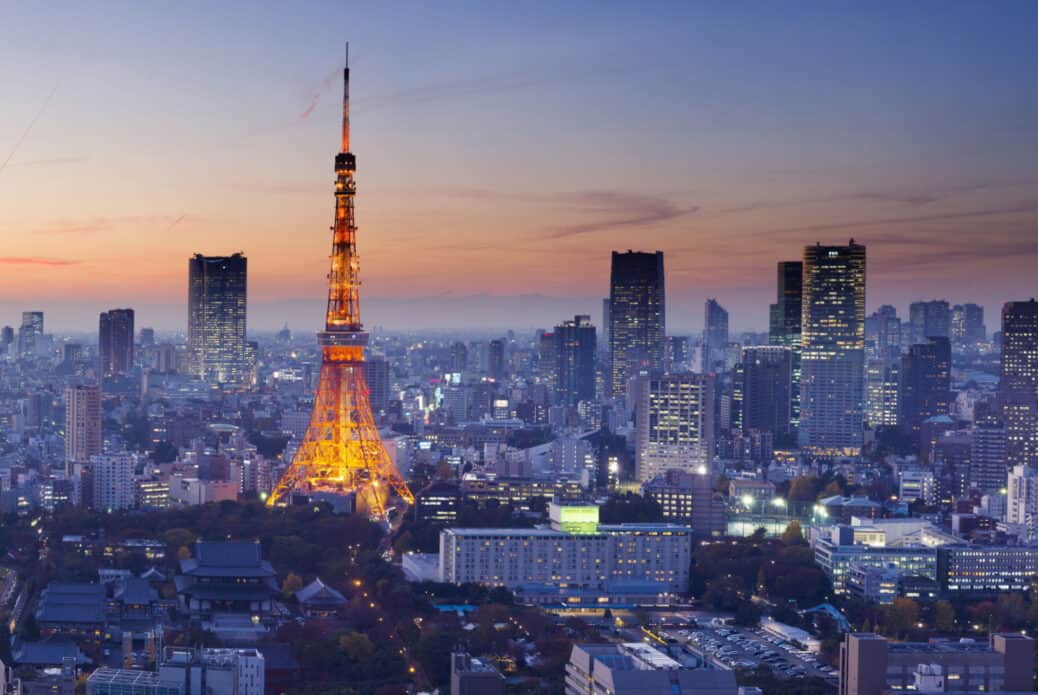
(477,85)
(615,210)
(323,87)
(28,129)
(1022,208)
(93,225)
(609,209)
(32,260)
(53,161)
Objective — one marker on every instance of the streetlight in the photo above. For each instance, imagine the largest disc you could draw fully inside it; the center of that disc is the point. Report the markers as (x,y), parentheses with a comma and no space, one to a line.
(778,502)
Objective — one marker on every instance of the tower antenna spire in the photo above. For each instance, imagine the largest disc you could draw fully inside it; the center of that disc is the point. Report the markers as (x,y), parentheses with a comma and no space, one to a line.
(346,103)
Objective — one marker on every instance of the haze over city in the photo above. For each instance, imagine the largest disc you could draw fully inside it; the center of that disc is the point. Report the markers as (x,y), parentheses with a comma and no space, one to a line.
(504,151)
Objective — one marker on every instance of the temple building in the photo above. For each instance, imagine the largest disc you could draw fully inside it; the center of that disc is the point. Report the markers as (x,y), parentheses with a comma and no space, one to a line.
(226,577)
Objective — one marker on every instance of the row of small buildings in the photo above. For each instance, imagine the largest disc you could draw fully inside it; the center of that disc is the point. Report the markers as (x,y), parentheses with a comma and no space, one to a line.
(882,559)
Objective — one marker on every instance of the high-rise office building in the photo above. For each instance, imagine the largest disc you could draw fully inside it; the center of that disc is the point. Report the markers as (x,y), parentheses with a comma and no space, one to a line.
(216,306)
(147,338)
(6,338)
(930,319)
(378,373)
(459,357)
(605,324)
(1018,386)
(575,361)
(715,336)
(784,327)
(967,324)
(882,392)
(832,369)
(496,359)
(30,333)
(82,424)
(675,424)
(547,361)
(115,342)
(767,377)
(988,466)
(925,383)
(637,316)
(883,333)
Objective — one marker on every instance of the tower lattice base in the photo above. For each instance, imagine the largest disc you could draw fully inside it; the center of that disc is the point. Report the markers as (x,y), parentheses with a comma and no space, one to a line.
(342,451)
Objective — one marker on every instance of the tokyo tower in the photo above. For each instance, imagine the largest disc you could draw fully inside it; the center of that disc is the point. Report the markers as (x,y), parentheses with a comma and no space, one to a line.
(342,452)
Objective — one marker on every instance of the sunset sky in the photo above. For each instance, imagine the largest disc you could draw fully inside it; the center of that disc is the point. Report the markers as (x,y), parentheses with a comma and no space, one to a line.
(504,149)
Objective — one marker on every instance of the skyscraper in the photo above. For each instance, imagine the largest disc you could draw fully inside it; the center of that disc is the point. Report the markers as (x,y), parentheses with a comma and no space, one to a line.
(29,333)
(929,320)
(378,375)
(832,370)
(675,424)
(715,336)
(637,316)
(147,337)
(988,466)
(575,361)
(882,391)
(459,357)
(1018,386)
(784,329)
(967,324)
(115,342)
(82,424)
(216,306)
(496,359)
(883,333)
(767,375)
(6,338)
(925,383)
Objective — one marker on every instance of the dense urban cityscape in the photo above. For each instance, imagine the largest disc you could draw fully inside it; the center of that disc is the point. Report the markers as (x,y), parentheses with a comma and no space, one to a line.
(845,499)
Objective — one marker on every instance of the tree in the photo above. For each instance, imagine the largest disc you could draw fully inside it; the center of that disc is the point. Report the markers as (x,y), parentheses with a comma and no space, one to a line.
(293,583)
(357,646)
(901,617)
(833,489)
(803,488)
(793,535)
(747,614)
(944,616)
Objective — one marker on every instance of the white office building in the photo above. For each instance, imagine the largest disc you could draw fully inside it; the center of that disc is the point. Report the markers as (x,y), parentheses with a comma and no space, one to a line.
(575,553)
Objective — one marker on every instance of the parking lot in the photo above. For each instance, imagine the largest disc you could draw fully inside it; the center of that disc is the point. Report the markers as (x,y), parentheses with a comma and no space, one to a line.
(747,648)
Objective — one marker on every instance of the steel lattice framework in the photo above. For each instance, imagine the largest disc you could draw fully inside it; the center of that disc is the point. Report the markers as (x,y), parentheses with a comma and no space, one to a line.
(342,452)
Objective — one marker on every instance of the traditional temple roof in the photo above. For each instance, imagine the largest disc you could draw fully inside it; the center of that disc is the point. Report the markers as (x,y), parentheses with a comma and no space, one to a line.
(65,602)
(317,593)
(227,559)
(135,591)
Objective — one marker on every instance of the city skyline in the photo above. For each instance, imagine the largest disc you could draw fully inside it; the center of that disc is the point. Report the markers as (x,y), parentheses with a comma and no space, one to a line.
(938,183)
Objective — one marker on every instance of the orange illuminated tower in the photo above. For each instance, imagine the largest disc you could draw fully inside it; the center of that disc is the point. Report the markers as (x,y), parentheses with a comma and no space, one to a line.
(342,452)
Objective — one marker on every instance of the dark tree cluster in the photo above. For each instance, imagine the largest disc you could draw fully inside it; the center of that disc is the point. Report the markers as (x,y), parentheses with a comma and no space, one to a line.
(725,574)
